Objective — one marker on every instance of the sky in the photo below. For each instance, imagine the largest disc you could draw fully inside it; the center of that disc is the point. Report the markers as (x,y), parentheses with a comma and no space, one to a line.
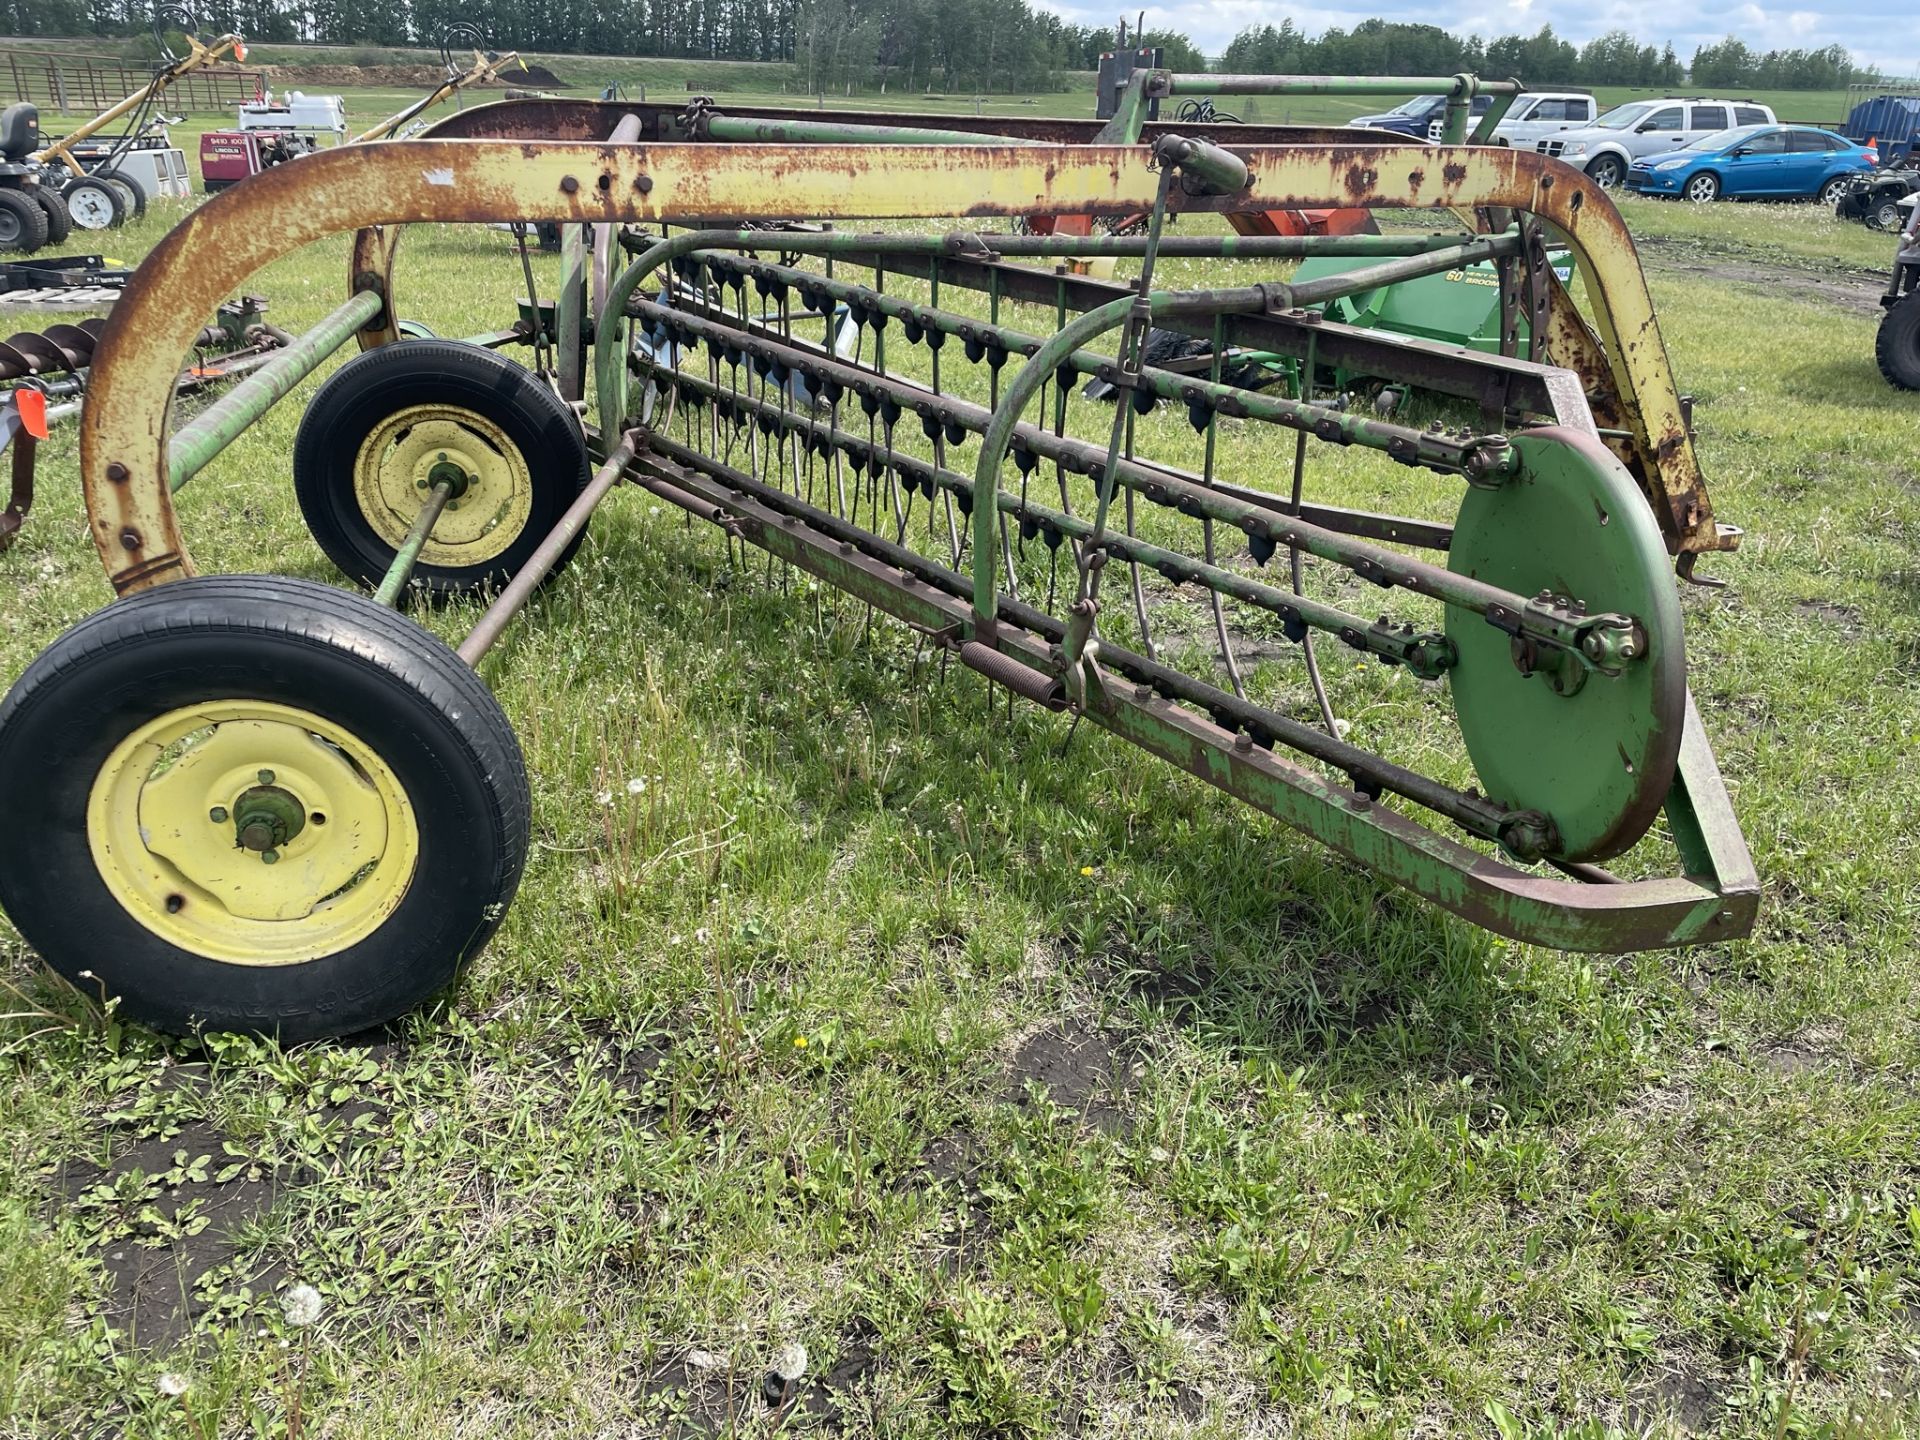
(1880,33)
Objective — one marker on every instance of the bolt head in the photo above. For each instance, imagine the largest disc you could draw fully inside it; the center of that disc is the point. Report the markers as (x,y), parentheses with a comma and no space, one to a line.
(269,857)
(218,815)
(266,777)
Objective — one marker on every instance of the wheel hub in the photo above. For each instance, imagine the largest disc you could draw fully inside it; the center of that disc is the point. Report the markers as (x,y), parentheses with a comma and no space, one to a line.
(413,450)
(252,832)
(266,817)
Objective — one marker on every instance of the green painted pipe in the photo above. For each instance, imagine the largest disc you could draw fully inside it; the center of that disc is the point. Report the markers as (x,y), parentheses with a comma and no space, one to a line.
(217,427)
(1331,85)
(1205,247)
(1221,169)
(747,130)
(569,318)
(408,556)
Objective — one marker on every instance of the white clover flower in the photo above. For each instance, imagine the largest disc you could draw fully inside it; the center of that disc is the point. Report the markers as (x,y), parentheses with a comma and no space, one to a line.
(301,1305)
(172,1384)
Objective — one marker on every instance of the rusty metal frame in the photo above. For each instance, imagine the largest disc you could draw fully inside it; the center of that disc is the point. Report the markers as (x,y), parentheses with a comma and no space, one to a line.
(376,189)
(372,188)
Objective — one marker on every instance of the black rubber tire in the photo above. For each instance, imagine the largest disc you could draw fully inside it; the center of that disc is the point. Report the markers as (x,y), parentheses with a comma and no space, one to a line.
(391,683)
(137,208)
(59,222)
(1707,186)
(1830,193)
(1606,171)
(1883,213)
(116,202)
(1897,345)
(361,394)
(23,224)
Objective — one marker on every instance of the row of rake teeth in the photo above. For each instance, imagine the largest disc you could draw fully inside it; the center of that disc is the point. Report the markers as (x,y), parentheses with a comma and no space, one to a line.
(678,329)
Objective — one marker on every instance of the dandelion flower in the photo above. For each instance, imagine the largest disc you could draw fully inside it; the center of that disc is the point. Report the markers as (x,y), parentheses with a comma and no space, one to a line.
(301,1305)
(790,1361)
(605,797)
(799,1042)
(1086,869)
(637,785)
(172,1384)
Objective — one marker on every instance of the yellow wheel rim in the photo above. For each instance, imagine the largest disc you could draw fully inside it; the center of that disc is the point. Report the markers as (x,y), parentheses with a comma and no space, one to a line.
(252,833)
(390,482)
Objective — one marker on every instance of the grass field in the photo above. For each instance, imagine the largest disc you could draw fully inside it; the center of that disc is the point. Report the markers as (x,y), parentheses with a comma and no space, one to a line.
(1034,1089)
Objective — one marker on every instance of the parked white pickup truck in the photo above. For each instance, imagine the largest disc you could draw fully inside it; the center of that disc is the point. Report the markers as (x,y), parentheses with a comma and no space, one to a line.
(1536,116)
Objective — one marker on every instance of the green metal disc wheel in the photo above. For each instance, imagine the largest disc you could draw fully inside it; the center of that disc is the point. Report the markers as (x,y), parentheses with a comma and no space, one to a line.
(1597,762)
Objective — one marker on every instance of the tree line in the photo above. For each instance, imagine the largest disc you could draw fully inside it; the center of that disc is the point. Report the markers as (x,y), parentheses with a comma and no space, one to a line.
(950,45)
(1381,47)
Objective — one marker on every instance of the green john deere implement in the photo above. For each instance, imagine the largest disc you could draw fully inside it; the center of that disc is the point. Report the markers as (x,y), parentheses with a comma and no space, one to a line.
(248,802)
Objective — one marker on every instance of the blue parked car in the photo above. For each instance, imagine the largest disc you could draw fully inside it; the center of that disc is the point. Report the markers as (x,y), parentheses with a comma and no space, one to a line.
(1419,117)
(1776,161)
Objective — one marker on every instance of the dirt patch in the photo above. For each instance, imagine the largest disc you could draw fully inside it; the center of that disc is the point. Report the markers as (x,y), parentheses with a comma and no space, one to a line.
(703,1394)
(1078,1071)
(1857,292)
(1175,989)
(1691,1404)
(1845,618)
(170,1210)
(826,1398)
(954,1160)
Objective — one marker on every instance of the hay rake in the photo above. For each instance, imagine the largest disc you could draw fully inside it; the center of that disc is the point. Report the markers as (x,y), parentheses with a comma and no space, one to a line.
(283,806)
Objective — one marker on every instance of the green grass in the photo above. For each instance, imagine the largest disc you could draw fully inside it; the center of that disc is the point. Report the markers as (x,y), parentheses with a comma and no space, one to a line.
(1311,1159)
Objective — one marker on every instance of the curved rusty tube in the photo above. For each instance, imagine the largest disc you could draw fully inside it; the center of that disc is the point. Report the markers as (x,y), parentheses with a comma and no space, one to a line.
(209,254)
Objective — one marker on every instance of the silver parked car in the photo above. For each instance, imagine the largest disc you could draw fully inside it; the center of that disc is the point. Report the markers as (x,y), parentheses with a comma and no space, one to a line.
(1607,148)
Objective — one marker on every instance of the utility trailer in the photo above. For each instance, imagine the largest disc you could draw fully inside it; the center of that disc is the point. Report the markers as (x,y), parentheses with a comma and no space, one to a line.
(248,802)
